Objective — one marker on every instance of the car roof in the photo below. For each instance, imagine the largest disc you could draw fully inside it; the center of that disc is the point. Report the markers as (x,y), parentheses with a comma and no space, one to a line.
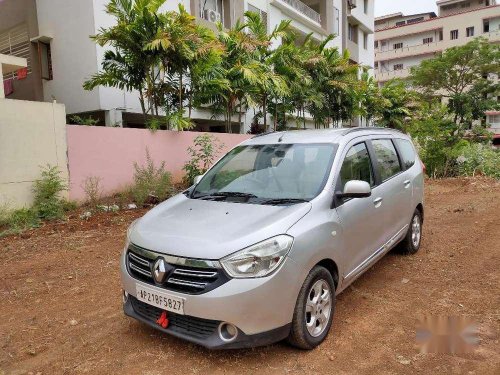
(318,135)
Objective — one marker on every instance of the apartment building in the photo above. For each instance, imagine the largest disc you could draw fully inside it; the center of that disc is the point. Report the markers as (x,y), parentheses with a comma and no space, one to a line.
(403,41)
(54,37)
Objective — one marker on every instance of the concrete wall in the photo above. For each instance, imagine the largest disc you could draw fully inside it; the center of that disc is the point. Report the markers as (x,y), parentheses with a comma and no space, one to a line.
(32,134)
(110,153)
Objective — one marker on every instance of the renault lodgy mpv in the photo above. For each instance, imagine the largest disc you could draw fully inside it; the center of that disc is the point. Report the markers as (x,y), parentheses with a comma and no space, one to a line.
(258,248)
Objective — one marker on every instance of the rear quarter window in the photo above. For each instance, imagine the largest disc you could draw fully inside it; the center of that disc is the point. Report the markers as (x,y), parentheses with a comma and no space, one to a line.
(407,152)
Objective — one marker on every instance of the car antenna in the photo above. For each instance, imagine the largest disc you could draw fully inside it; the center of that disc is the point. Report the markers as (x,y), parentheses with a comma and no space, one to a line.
(281,138)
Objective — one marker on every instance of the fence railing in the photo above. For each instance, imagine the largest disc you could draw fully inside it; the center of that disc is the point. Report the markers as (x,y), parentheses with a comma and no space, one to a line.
(304,9)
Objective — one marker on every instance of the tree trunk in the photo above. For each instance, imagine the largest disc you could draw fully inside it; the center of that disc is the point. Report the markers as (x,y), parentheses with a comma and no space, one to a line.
(275,114)
(239,116)
(304,116)
(264,111)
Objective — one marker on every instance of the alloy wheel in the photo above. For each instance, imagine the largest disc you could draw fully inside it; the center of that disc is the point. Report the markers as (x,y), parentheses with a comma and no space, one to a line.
(318,308)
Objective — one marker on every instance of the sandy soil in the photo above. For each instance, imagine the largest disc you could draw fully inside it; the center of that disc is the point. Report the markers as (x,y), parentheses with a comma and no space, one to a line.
(60,302)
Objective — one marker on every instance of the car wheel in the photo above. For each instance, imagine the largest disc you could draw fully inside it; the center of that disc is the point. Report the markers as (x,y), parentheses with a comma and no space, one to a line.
(314,310)
(411,243)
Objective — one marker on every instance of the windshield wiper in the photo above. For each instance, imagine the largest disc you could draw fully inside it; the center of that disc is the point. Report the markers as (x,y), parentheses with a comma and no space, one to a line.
(277,201)
(226,194)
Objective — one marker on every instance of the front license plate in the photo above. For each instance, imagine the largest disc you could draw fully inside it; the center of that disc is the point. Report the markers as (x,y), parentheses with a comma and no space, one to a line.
(159,299)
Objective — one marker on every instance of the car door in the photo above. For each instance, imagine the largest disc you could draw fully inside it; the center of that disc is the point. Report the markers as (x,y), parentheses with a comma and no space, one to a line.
(360,218)
(394,189)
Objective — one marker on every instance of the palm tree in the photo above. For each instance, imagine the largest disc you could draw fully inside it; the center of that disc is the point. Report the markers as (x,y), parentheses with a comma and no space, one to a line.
(130,66)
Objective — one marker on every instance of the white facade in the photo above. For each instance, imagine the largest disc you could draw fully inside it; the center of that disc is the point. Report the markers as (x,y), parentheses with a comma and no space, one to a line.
(75,57)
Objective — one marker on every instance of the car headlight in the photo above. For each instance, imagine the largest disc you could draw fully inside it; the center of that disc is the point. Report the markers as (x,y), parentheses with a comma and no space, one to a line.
(260,259)
(129,230)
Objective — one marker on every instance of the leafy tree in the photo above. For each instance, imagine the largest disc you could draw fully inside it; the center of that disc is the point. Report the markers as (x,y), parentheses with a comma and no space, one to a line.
(460,75)
(396,105)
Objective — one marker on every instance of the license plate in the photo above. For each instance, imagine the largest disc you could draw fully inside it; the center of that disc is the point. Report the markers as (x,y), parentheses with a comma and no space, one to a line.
(159,299)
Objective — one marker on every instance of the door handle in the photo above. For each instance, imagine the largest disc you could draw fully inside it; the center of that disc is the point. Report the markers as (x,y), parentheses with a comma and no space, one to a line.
(407,183)
(377,201)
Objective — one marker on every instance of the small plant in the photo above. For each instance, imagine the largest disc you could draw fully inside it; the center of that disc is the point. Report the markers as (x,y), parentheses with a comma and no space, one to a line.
(203,153)
(14,222)
(478,158)
(89,121)
(151,183)
(93,190)
(47,201)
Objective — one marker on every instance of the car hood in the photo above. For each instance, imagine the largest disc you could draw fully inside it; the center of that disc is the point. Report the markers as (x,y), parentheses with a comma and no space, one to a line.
(194,228)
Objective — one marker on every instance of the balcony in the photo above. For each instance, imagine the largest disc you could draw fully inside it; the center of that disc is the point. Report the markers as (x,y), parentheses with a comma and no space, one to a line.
(429,48)
(386,75)
(302,8)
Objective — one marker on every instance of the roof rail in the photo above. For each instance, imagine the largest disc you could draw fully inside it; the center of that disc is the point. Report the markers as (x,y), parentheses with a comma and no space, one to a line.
(370,128)
(265,133)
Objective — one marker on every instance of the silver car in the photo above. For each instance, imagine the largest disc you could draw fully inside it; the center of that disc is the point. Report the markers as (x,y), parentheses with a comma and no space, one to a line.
(256,251)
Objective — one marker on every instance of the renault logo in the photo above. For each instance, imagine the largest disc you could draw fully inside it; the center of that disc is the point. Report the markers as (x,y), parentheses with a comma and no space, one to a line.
(159,271)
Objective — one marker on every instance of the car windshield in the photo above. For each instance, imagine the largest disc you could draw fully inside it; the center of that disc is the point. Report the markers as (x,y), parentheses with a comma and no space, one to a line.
(268,174)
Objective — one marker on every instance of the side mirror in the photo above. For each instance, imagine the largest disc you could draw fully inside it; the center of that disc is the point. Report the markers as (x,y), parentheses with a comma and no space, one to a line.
(197,180)
(356,189)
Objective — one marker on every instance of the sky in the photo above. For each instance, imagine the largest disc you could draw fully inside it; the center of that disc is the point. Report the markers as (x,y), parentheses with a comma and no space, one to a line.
(383,7)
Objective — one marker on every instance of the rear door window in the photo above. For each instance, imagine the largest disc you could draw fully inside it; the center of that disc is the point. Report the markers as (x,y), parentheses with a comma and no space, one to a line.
(407,152)
(356,166)
(387,158)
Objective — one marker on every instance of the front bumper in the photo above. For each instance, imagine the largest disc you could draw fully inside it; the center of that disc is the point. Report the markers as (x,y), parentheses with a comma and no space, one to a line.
(200,331)
(261,308)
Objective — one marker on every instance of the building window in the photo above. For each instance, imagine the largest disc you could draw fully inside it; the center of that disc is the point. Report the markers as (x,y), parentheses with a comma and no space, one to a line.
(376,64)
(336,26)
(352,33)
(428,40)
(486,26)
(45,60)
(397,45)
(415,20)
(261,13)
(398,66)
(16,42)
(453,34)
(494,119)
(376,44)
(400,23)
(365,6)
(365,40)
(440,35)
(470,31)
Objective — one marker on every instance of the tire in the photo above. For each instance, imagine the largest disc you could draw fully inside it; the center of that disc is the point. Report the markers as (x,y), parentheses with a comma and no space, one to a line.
(413,239)
(302,336)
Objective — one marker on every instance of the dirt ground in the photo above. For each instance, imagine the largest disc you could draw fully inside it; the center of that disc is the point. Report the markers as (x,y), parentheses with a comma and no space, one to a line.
(60,302)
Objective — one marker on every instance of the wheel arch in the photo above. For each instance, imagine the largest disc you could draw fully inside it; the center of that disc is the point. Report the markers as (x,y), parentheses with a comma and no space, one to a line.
(420,207)
(332,267)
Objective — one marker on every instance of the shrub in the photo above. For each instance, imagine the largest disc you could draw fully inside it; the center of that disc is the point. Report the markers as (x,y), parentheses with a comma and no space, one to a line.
(203,153)
(89,121)
(23,219)
(93,190)
(47,190)
(478,158)
(151,182)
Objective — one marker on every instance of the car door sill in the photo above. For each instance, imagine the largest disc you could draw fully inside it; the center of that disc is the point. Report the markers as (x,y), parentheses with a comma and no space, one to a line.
(368,262)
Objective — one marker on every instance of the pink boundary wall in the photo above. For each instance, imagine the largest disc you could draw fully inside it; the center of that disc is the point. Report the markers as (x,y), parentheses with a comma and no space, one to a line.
(110,153)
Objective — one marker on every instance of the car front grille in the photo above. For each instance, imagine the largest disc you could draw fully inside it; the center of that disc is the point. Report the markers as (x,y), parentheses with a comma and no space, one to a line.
(184,324)
(180,278)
